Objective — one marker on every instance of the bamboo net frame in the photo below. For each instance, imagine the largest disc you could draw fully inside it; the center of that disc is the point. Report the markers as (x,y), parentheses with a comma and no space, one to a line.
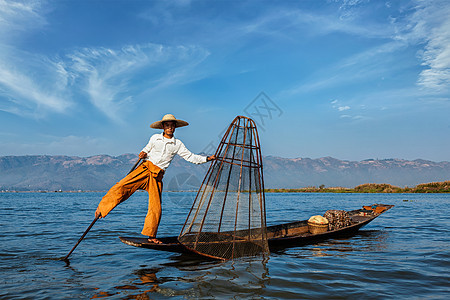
(228,217)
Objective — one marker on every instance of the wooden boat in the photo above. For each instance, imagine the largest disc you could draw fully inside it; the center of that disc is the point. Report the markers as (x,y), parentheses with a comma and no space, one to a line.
(282,235)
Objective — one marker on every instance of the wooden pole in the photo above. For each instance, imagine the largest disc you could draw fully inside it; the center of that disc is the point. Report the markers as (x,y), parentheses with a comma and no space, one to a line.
(82,237)
(66,258)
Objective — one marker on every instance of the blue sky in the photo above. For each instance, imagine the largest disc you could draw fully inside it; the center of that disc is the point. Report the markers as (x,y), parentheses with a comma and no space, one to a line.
(351,79)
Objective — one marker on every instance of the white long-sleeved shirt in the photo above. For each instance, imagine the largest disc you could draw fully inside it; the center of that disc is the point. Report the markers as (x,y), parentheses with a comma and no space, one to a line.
(160,151)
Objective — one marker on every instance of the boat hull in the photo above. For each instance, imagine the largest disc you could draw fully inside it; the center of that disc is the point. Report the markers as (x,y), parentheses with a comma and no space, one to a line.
(279,236)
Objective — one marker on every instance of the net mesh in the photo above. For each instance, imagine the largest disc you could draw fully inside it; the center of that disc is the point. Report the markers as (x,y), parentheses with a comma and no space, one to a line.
(228,219)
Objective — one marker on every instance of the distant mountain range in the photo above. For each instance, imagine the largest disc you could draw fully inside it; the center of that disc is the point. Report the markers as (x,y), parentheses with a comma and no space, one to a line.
(70,173)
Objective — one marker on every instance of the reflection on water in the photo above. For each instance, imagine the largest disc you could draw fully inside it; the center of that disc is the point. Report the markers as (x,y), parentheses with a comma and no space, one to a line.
(403,252)
(147,275)
(245,276)
(200,279)
(365,241)
(147,281)
(102,295)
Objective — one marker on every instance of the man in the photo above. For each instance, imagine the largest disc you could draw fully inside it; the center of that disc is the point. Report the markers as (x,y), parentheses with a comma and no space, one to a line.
(157,155)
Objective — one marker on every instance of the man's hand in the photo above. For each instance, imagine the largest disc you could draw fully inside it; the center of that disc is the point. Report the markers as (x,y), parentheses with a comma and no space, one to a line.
(142,155)
(160,175)
(98,213)
(212,157)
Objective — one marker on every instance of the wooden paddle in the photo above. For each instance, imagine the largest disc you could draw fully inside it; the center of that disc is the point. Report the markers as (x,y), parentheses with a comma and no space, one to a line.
(93,222)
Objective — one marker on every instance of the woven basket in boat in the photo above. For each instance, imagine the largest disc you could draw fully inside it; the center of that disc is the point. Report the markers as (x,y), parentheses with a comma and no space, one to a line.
(317,228)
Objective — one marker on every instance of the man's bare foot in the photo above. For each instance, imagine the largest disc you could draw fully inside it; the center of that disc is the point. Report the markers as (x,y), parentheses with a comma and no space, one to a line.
(98,214)
(154,241)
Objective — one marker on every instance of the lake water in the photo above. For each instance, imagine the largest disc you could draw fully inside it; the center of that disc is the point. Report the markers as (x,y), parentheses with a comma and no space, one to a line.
(405,253)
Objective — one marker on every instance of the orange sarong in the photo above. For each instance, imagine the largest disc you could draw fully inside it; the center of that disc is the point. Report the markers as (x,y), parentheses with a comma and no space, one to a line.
(143,177)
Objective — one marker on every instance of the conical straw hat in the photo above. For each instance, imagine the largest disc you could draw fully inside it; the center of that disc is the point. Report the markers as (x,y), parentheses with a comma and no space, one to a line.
(167,118)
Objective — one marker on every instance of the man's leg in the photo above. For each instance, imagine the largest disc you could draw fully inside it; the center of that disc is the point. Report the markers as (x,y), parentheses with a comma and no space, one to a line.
(154,209)
(122,190)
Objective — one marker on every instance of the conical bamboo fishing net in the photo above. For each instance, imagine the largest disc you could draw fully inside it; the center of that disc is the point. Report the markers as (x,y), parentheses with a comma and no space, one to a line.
(228,217)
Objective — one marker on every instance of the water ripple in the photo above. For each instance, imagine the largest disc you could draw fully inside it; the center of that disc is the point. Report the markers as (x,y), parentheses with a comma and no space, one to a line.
(402,254)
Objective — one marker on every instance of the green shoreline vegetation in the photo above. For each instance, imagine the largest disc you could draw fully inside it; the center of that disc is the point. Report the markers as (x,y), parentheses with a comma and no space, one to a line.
(432,187)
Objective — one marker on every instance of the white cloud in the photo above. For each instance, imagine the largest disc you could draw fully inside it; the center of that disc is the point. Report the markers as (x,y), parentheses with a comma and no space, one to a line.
(429,25)
(22,73)
(369,64)
(339,107)
(19,16)
(335,104)
(427,28)
(110,77)
(348,18)
(32,85)
(436,57)
(353,118)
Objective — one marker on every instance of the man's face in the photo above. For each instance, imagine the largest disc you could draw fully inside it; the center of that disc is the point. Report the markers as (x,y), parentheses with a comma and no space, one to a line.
(169,128)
